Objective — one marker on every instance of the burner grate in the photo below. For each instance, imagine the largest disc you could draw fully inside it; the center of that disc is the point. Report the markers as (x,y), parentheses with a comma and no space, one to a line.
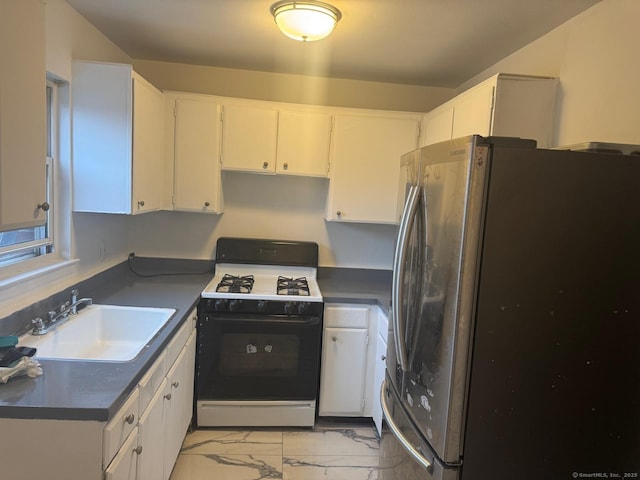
(235,284)
(293,286)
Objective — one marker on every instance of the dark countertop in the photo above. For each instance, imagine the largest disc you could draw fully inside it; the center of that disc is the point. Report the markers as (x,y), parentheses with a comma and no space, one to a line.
(356,285)
(90,390)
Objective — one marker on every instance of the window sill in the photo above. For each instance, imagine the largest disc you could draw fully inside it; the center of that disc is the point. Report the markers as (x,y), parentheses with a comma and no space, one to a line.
(22,272)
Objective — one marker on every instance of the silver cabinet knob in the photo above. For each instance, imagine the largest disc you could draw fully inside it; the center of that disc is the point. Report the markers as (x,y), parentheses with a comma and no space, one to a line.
(175,384)
(206,204)
(383,357)
(130,418)
(285,165)
(334,339)
(44,206)
(167,396)
(138,450)
(141,203)
(339,213)
(265,165)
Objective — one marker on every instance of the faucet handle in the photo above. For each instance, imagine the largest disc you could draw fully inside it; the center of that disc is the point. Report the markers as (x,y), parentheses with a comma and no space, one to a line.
(52,315)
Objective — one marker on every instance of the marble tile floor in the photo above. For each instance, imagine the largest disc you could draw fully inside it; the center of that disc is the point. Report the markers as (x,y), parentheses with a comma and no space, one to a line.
(328,451)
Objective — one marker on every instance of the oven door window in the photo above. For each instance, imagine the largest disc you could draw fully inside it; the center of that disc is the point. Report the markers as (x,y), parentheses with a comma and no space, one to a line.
(258,357)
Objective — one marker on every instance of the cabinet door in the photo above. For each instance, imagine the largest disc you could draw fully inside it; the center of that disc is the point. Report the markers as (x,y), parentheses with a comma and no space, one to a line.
(22,114)
(473,111)
(438,125)
(365,166)
(303,143)
(148,125)
(179,403)
(151,438)
(197,156)
(379,369)
(123,466)
(343,372)
(249,138)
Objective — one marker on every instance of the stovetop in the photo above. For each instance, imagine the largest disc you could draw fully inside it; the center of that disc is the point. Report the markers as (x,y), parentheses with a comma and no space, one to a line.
(264,282)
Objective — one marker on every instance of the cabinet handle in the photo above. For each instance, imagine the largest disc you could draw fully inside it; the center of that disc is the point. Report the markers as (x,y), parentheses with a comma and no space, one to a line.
(383,357)
(334,338)
(141,203)
(138,450)
(130,418)
(44,206)
(206,204)
(175,384)
(265,165)
(285,165)
(167,396)
(339,213)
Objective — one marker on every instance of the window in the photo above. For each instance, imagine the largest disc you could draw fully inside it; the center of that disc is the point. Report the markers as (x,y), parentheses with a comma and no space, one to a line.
(25,243)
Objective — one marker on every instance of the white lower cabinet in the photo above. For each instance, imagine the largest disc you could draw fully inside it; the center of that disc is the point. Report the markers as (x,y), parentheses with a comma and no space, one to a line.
(345,376)
(140,442)
(379,367)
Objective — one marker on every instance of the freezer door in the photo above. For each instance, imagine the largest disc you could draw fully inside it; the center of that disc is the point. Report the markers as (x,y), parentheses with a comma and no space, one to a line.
(404,455)
(433,334)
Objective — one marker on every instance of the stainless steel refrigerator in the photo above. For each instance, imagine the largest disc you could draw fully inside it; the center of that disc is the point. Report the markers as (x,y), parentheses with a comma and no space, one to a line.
(515,348)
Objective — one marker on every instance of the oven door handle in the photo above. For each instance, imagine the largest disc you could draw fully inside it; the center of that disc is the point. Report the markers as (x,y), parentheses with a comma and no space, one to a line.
(264,319)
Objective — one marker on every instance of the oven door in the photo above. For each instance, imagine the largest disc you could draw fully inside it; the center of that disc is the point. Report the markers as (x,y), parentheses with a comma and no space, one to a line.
(258,357)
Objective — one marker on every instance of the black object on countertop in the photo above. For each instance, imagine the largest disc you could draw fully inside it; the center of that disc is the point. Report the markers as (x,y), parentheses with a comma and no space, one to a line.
(16,353)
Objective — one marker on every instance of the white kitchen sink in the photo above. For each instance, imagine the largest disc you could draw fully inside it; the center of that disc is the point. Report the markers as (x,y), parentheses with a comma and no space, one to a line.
(109,333)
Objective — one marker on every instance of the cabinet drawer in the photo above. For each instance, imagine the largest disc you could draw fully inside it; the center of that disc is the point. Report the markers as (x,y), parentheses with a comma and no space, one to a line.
(152,380)
(125,463)
(178,341)
(120,426)
(346,316)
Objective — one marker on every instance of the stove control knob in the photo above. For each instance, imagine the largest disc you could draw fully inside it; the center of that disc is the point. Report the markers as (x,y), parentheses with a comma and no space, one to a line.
(289,308)
(234,305)
(302,307)
(261,306)
(219,305)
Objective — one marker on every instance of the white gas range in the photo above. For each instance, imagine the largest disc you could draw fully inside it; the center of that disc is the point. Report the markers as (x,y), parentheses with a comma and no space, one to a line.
(259,335)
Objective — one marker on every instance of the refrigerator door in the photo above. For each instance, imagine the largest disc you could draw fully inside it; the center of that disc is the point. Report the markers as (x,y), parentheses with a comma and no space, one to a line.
(436,310)
(404,455)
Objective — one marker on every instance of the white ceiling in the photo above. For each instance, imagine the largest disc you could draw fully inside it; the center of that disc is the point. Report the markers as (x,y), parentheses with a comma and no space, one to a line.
(419,42)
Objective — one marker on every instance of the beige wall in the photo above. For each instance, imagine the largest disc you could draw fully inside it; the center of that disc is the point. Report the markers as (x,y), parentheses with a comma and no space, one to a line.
(291,88)
(595,55)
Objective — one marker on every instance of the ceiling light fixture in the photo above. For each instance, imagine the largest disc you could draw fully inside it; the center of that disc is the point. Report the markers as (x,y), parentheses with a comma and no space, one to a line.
(306,21)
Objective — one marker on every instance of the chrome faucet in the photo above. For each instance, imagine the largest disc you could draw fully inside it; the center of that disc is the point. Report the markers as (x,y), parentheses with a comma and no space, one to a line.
(40,326)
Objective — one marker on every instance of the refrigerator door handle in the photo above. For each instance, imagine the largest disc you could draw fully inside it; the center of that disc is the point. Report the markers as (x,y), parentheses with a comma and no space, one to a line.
(411,450)
(398,323)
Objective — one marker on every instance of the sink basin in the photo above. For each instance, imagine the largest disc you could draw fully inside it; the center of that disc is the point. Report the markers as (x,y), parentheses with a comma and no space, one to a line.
(109,333)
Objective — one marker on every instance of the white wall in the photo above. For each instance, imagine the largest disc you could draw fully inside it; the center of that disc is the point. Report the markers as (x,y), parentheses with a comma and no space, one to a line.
(595,55)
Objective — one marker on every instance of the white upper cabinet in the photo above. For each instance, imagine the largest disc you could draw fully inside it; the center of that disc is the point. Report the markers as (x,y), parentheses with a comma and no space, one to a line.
(22,114)
(365,165)
(303,143)
(503,105)
(117,140)
(273,138)
(194,148)
(249,137)
(438,124)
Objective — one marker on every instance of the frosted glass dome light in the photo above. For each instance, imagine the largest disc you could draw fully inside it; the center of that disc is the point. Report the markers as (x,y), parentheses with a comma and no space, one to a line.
(305,21)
